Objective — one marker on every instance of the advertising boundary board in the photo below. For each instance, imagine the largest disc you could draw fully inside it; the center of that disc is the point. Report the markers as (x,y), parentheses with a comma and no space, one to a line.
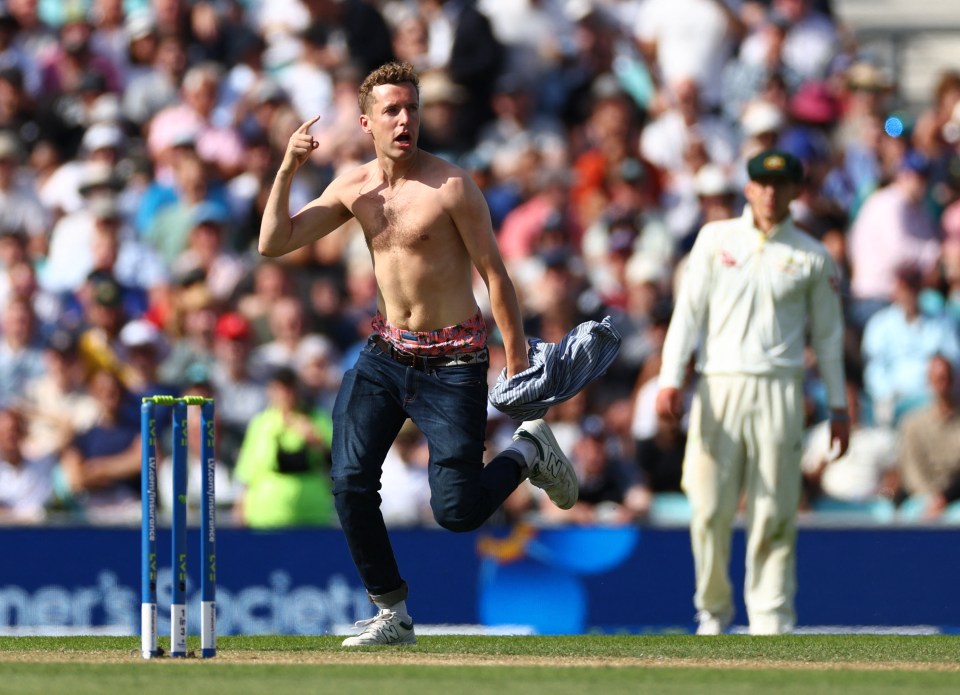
(81,580)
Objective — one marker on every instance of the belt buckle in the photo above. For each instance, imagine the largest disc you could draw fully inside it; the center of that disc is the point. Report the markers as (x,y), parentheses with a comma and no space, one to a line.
(408,359)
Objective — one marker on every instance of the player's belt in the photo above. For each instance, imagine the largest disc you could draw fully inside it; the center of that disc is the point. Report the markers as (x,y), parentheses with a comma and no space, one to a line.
(426,362)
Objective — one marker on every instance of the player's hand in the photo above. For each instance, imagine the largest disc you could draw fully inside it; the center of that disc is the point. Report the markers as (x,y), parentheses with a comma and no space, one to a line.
(669,403)
(839,437)
(301,145)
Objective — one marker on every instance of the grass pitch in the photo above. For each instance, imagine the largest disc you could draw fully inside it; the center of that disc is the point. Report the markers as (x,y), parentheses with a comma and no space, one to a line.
(809,664)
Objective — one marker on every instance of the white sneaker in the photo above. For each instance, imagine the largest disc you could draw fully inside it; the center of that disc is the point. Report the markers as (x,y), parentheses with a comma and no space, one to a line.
(551,471)
(710,624)
(386,627)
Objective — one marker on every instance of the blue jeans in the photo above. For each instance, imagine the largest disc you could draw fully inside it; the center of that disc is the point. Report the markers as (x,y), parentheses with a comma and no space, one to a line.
(449,405)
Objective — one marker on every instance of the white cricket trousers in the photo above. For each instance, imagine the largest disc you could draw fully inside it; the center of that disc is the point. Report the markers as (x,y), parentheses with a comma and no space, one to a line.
(745,436)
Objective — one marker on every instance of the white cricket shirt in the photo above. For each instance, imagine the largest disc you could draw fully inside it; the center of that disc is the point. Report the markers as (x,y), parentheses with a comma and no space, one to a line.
(749,300)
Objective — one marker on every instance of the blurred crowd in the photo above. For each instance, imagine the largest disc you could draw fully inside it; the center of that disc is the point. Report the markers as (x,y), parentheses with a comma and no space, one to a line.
(138,143)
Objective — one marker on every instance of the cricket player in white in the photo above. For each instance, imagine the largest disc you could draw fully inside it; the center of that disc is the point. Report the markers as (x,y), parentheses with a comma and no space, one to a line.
(752,289)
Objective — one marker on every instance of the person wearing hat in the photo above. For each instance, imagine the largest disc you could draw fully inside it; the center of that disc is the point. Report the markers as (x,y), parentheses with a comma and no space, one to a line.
(753,288)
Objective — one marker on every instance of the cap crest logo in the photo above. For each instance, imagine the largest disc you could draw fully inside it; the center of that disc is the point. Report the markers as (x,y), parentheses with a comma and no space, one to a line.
(774,163)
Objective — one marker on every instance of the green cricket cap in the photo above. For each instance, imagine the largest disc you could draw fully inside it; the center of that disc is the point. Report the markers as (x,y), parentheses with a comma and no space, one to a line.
(775,164)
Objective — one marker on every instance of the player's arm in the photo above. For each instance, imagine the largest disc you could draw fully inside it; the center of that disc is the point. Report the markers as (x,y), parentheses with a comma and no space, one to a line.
(826,337)
(279,232)
(688,316)
(471,216)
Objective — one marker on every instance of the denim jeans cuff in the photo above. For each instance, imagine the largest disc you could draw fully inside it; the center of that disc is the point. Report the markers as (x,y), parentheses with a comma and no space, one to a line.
(391,597)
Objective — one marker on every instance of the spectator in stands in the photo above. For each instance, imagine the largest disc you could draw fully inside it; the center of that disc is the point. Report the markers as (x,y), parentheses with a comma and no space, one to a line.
(108,35)
(241,393)
(329,313)
(684,123)
(115,250)
(689,40)
(101,465)
(154,86)
(208,251)
(893,227)
(26,482)
(930,442)
(102,300)
(519,124)
(144,350)
(64,69)
(21,350)
(318,368)
(866,471)
(409,38)
(69,259)
(810,43)
(196,199)
(307,82)
(440,102)
(56,403)
(898,342)
(548,206)
(20,209)
(271,281)
(660,457)
(338,140)
(290,338)
(14,56)
(461,40)
(33,34)
(935,125)
(362,27)
(217,144)
(283,465)
(77,180)
(748,75)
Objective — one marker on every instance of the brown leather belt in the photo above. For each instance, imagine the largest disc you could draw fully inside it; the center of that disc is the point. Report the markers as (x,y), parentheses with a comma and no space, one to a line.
(425,362)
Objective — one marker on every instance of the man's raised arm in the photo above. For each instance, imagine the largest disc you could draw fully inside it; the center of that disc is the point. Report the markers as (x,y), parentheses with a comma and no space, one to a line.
(279,232)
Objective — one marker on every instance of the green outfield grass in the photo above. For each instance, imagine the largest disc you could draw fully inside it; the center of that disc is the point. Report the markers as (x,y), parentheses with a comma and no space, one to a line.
(849,664)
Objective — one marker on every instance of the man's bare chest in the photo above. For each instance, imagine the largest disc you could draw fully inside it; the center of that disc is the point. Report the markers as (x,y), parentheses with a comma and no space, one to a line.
(402,221)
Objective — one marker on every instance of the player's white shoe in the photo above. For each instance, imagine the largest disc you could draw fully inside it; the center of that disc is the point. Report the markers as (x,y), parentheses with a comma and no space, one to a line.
(551,471)
(710,624)
(386,627)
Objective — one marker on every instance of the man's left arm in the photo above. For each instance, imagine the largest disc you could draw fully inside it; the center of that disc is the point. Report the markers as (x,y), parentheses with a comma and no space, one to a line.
(826,338)
(472,218)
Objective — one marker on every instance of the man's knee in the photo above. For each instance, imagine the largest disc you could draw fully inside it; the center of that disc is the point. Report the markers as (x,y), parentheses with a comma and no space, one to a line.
(456,518)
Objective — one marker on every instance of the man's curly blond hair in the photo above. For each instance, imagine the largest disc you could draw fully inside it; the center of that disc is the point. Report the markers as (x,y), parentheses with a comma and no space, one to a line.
(389,73)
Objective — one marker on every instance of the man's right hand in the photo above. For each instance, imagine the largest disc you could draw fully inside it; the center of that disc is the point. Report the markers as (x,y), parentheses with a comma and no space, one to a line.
(300,147)
(669,403)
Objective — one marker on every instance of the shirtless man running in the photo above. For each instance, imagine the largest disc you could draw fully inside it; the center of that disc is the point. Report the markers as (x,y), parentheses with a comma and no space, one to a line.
(427,226)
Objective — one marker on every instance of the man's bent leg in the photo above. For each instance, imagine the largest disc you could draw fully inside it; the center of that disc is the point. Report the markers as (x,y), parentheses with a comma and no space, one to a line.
(450,408)
(366,419)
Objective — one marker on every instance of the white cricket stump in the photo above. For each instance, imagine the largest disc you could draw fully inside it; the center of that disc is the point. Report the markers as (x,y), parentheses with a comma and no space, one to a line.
(208,629)
(178,630)
(148,630)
